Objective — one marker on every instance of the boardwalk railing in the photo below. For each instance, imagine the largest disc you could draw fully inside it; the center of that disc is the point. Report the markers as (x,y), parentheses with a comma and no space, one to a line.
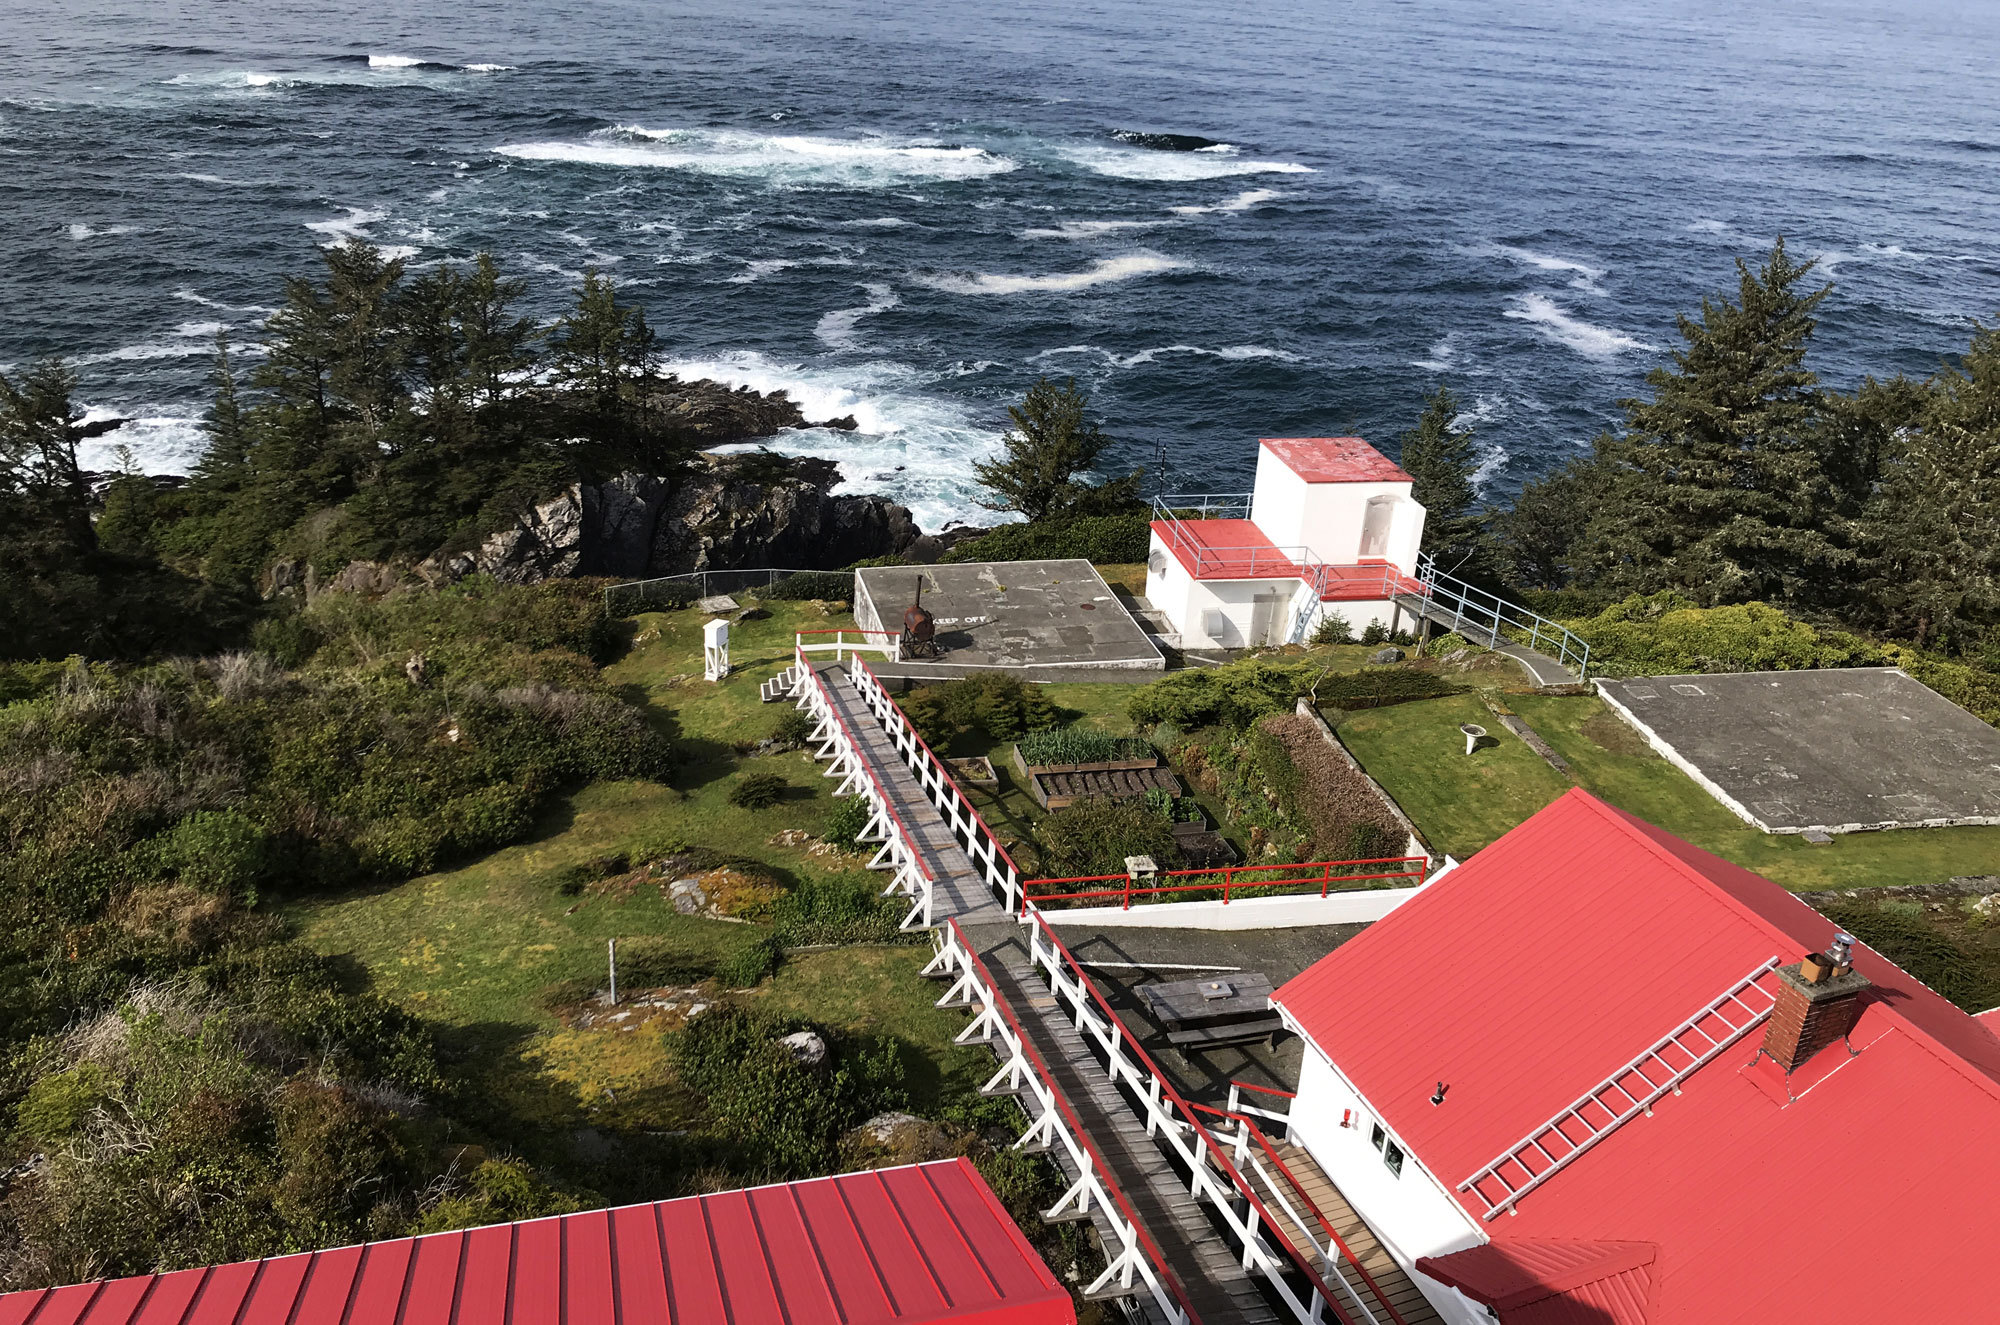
(981,846)
(886,643)
(831,740)
(1134,1259)
(1325,875)
(1213,1178)
(1258,1158)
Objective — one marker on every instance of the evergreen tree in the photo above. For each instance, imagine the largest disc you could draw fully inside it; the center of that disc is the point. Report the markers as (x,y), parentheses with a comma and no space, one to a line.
(1438,456)
(603,352)
(48,502)
(1932,533)
(225,460)
(1049,448)
(1536,539)
(1723,484)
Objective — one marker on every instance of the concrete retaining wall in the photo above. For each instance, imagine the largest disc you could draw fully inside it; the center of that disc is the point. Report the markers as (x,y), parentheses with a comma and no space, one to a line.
(1350,908)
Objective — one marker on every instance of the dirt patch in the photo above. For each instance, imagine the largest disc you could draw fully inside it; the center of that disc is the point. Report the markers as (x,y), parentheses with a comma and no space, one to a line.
(1613,735)
(654,1009)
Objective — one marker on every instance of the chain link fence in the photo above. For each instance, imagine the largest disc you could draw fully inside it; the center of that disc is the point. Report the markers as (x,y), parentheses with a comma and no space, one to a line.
(779,582)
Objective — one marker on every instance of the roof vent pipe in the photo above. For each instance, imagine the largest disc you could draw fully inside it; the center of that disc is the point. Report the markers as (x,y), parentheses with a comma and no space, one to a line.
(1841,950)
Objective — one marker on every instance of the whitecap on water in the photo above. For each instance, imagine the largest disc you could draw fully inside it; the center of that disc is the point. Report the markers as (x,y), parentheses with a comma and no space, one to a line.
(783,159)
(1130,163)
(395,62)
(1137,358)
(914,448)
(1586,275)
(1102,271)
(158,442)
(837,328)
(1089,229)
(1242,202)
(1583,337)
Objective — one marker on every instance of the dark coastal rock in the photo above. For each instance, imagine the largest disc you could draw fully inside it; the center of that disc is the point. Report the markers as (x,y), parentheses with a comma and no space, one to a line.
(706,413)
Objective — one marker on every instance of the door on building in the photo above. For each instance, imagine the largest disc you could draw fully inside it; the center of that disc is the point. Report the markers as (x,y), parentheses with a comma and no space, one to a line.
(1375,526)
(1268,617)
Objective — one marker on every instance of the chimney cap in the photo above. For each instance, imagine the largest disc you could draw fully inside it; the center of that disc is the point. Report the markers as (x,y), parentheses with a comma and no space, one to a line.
(1841,950)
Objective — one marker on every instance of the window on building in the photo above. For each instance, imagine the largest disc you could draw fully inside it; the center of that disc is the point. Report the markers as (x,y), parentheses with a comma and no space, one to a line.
(1392,1155)
(1378,1138)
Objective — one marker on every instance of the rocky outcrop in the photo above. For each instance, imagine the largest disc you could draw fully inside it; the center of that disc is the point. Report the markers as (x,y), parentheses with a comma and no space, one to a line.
(705,413)
(545,542)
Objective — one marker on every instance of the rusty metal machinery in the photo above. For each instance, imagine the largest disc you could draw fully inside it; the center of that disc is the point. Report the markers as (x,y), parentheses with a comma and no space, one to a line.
(919,631)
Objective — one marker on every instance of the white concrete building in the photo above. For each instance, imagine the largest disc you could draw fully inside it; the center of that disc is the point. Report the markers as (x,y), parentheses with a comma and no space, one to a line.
(1330,527)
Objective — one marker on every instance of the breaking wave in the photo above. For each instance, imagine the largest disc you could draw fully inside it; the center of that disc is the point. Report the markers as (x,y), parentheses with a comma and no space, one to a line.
(1586,277)
(1232,352)
(1170,142)
(1171,167)
(785,159)
(1101,272)
(1574,333)
(1088,229)
(1242,202)
(837,328)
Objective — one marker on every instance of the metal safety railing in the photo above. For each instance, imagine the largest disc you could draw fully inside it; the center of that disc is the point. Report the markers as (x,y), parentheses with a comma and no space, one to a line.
(1326,875)
(1133,1258)
(885,642)
(1470,607)
(1365,579)
(682,589)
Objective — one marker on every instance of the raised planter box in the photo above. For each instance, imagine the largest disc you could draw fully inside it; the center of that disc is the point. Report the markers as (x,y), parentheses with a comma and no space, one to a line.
(1055,788)
(1029,770)
(975,771)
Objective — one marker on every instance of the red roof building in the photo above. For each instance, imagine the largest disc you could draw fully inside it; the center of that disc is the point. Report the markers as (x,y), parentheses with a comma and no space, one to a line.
(905,1246)
(1853,1170)
(1334,460)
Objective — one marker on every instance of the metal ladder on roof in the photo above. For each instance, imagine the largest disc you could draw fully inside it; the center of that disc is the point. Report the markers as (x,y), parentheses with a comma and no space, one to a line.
(1626,1093)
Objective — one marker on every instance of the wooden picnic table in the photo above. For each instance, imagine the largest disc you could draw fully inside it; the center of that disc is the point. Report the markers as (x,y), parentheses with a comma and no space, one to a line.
(1226,1009)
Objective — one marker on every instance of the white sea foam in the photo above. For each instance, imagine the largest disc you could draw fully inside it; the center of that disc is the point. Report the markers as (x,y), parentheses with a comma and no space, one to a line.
(1134,360)
(79,232)
(1828,263)
(217,180)
(913,447)
(489,68)
(1242,202)
(1708,225)
(200,328)
(837,328)
(1170,167)
(1894,251)
(878,223)
(194,298)
(1490,465)
(159,442)
(354,225)
(1101,272)
(1583,337)
(1586,275)
(394,62)
(1089,229)
(783,159)
(1442,355)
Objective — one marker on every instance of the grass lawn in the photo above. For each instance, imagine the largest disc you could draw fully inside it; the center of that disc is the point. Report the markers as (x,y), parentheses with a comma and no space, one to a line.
(1460,804)
(477,949)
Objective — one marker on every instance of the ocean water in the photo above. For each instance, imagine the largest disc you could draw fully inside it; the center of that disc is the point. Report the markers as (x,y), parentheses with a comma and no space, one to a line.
(909,212)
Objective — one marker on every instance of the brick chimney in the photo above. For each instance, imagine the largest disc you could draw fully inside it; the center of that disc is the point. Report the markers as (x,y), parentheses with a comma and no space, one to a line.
(1819,1000)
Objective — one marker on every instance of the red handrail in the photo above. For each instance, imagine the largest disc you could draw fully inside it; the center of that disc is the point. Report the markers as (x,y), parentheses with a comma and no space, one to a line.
(1264,1090)
(1187,1111)
(1264,1143)
(943,771)
(1325,878)
(1077,1128)
(909,839)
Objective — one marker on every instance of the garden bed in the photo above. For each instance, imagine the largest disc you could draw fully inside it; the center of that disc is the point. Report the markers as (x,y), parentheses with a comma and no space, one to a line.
(975,771)
(1053,789)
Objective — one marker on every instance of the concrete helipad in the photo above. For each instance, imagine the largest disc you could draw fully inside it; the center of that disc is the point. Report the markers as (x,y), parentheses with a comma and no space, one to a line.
(1836,751)
(1017,615)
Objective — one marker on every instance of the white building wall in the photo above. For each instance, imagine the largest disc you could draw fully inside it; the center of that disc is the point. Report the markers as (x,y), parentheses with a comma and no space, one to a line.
(1413,1214)
(1278,500)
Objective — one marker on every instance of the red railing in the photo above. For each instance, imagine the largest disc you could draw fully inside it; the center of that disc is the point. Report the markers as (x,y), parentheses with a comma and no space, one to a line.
(1125,1039)
(1318,873)
(1256,1133)
(1076,1127)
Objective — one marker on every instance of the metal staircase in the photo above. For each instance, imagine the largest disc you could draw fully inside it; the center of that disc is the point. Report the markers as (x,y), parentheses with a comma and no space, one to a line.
(1625,1094)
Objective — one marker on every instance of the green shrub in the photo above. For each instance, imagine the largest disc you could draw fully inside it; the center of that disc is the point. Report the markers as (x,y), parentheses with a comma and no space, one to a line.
(836,910)
(848,820)
(759,791)
(1105,539)
(57,1104)
(999,704)
(1665,634)
(807,585)
(217,851)
(794,729)
(750,963)
(288,640)
(1094,835)
(1976,689)
(1234,695)
(1333,628)
(1954,967)
(1378,687)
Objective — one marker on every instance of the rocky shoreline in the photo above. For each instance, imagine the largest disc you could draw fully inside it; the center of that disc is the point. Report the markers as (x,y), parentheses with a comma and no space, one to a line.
(721,512)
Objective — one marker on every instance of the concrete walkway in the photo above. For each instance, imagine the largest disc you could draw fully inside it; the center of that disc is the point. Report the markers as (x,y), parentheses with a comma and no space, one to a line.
(1543,670)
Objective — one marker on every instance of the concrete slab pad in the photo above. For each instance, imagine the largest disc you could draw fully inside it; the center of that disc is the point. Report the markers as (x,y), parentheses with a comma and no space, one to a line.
(1836,751)
(1011,615)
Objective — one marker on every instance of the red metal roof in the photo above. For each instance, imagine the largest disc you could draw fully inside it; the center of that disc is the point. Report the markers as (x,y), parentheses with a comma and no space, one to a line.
(1335,460)
(1239,550)
(1538,967)
(924,1243)
(1533,1282)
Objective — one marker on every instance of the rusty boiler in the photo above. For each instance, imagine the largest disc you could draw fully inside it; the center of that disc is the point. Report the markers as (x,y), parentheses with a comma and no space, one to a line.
(919,631)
